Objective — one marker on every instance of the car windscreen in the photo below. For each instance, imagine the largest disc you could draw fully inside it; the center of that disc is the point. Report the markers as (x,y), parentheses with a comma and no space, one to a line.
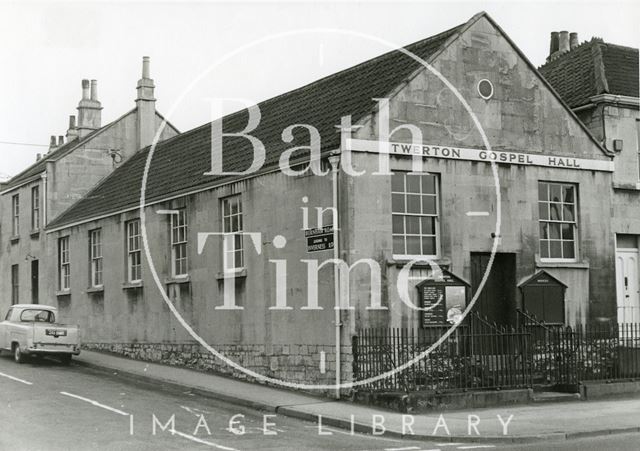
(37,315)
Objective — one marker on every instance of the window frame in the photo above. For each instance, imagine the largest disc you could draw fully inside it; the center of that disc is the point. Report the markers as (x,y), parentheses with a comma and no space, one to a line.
(15,284)
(436,216)
(134,254)
(638,149)
(574,223)
(15,215)
(35,208)
(96,260)
(179,247)
(64,264)
(228,229)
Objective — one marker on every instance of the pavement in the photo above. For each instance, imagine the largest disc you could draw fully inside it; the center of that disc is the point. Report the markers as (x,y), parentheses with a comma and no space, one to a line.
(47,406)
(529,423)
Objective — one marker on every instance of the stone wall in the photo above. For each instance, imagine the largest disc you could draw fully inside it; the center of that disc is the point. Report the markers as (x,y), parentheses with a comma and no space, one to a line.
(290,363)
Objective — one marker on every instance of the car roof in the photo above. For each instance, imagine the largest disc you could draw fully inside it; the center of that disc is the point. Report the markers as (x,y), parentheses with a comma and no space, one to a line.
(40,306)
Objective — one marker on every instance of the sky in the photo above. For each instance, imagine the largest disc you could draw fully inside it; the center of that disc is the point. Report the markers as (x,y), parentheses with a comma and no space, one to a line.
(248,50)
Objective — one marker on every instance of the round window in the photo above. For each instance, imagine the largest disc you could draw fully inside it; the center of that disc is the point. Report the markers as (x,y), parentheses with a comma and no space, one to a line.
(485,89)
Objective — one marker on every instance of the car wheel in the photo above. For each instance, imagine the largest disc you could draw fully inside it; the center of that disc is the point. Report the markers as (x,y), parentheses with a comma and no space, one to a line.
(65,359)
(18,356)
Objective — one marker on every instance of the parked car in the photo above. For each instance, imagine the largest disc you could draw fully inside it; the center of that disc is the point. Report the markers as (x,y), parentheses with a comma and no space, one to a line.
(31,329)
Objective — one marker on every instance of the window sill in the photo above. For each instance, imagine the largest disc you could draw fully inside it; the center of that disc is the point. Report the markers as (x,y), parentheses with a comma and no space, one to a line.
(627,186)
(63,293)
(35,233)
(540,263)
(132,285)
(14,239)
(232,274)
(177,280)
(95,289)
(402,260)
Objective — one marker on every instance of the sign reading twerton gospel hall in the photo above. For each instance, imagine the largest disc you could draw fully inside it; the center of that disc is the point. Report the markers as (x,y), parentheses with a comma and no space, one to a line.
(466,154)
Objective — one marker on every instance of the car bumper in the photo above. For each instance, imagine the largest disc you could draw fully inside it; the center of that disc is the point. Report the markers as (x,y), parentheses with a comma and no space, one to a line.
(49,351)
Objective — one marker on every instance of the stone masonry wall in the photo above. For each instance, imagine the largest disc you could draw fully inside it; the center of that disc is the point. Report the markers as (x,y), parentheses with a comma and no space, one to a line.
(290,363)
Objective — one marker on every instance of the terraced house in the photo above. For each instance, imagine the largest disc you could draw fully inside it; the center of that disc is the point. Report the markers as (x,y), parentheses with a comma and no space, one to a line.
(58,179)
(540,197)
(599,81)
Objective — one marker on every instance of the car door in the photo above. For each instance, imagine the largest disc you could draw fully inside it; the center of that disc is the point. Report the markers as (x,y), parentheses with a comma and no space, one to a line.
(4,330)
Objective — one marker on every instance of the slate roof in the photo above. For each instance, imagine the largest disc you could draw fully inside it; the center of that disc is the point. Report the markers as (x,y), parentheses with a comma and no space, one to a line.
(594,67)
(178,163)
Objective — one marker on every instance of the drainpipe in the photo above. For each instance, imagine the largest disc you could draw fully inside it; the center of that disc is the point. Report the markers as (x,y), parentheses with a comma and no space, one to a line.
(334,160)
(43,199)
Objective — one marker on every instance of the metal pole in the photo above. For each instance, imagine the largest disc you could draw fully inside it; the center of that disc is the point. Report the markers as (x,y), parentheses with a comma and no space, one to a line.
(334,160)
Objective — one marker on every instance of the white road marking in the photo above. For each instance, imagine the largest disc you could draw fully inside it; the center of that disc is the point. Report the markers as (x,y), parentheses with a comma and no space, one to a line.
(401,449)
(359,434)
(16,379)
(95,403)
(476,446)
(201,441)
(323,362)
(190,410)
(477,213)
(448,444)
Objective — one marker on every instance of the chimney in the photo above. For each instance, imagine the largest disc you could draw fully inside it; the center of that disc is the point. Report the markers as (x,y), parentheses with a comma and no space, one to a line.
(94,90)
(38,156)
(145,107)
(72,131)
(555,43)
(85,89)
(573,40)
(564,42)
(52,143)
(89,109)
(60,140)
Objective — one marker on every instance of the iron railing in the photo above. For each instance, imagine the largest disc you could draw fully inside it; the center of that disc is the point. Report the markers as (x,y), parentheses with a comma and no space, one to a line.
(478,355)
(483,355)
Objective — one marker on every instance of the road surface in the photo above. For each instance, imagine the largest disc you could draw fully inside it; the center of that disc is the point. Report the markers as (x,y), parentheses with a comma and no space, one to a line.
(48,406)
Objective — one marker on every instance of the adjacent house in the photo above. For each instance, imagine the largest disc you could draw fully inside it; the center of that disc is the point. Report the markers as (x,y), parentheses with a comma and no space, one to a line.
(599,81)
(61,177)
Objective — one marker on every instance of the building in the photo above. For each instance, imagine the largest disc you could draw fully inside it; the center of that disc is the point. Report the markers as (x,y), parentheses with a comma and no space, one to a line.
(553,215)
(599,81)
(62,176)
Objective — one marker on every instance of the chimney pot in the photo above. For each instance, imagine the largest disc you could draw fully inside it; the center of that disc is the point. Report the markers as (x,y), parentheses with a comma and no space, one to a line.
(145,67)
(72,122)
(94,90)
(564,42)
(52,142)
(85,89)
(555,43)
(60,140)
(38,156)
(573,40)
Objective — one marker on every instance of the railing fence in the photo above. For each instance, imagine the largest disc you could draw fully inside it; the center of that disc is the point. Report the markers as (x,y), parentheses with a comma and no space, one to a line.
(482,355)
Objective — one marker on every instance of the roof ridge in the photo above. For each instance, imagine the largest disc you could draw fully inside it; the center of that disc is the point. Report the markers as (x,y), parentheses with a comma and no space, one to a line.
(611,44)
(599,72)
(311,84)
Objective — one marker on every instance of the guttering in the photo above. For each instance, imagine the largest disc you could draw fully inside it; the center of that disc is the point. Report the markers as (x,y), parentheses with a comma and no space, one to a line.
(616,99)
(44,198)
(620,100)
